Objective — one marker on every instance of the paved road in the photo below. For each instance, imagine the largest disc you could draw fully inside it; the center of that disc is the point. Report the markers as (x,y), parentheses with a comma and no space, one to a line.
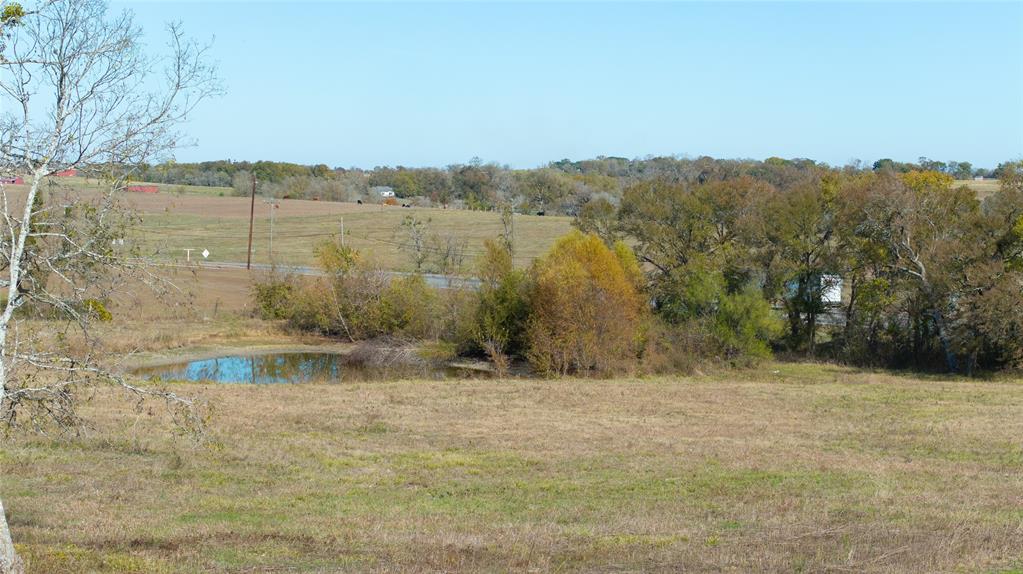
(432,279)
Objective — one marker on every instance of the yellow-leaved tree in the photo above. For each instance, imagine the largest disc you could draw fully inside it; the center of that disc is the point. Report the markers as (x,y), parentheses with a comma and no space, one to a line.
(586,308)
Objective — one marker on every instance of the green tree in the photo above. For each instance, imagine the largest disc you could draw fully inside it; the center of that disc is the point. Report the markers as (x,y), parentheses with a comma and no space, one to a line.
(600,217)
(503,305)
(801,232)
(931,234)
(544,189)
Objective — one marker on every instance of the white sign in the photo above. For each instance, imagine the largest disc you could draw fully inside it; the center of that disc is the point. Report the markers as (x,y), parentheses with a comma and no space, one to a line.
(205,253)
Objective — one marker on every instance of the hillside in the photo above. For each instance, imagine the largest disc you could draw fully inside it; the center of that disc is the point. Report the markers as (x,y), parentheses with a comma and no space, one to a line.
(220,224)
(198,218)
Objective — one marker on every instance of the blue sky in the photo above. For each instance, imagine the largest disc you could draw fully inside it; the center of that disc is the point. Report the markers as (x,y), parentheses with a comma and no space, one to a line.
(420,84)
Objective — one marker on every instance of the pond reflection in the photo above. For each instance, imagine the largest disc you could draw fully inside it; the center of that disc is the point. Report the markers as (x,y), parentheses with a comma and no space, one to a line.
(299,367)
(254,369)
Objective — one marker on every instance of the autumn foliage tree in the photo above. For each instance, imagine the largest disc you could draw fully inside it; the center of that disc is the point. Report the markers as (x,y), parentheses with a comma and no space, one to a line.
(586,308)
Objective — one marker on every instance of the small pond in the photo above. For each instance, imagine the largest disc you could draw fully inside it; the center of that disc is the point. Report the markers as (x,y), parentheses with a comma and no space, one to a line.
(293,367)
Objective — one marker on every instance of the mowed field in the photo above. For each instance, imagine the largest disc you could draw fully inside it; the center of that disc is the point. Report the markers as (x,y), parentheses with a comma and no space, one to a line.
(173,223)
(789,468)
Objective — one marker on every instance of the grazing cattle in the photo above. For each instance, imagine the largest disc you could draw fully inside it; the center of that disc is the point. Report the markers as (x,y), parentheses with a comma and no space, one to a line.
(359,201)
(541,213)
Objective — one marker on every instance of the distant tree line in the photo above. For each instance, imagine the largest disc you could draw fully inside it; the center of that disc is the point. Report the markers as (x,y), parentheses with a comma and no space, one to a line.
(222,173)
(561,187)
(956,169)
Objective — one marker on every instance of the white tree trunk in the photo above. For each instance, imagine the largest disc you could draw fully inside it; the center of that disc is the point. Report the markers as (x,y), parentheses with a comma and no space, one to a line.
(9,561)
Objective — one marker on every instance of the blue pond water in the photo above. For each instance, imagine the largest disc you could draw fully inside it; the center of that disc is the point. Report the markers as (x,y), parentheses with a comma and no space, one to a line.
(254,369)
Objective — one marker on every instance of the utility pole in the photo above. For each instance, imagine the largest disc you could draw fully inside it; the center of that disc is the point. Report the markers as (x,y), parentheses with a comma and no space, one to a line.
(342,232)
(252,216)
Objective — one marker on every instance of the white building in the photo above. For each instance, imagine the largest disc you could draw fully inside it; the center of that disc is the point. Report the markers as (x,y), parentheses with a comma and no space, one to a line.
(831,289)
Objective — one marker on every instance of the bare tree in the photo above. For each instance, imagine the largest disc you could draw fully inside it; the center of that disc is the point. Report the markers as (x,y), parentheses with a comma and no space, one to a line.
(508,227)
(415,235)
(449,254)
(77,92)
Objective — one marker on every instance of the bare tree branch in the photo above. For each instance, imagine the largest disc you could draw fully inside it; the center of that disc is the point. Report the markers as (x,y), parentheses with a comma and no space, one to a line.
(77,91)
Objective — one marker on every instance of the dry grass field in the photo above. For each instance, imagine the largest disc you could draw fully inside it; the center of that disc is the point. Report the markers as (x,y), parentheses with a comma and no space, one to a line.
(92,185)
(789,468)
(982,188)
(189,217)
(221,225)
(198,294)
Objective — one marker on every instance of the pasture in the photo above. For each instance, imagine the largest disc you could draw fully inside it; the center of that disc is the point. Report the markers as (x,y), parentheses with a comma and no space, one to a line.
(171,224)
(795,468)
(198,218)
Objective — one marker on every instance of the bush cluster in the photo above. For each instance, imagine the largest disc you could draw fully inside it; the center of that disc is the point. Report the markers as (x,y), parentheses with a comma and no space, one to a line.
(582,309)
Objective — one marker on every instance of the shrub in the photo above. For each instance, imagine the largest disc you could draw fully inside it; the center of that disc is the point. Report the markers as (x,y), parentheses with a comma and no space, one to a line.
(745,324)
(730,325)
(310,310)
(586,310)
(356,301)
(351,292)
(503,306)
(407,308)
(690,292)
(336,259)
(273,296)
(671,349)
(97,309)
(457,318)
